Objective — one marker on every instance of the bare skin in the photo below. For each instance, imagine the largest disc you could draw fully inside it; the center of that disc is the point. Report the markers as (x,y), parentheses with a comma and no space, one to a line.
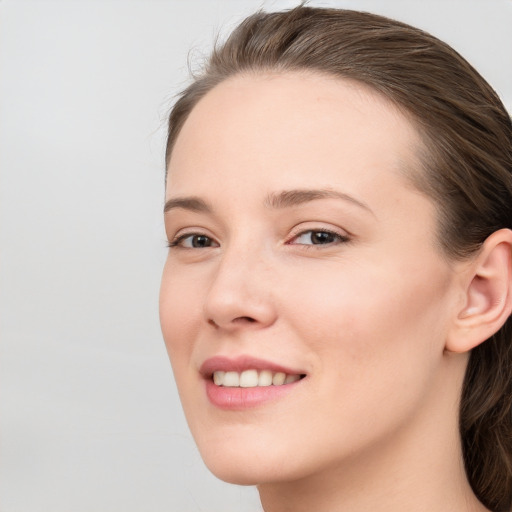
(344,285)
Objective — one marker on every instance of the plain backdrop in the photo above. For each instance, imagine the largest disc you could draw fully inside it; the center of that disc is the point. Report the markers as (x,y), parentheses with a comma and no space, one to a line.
(89,415)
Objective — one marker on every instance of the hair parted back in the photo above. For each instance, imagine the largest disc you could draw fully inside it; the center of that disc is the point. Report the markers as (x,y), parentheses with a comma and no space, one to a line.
(466,160)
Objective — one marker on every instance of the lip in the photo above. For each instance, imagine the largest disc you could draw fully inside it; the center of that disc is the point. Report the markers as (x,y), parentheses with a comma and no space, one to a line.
(242,363)
(239,399)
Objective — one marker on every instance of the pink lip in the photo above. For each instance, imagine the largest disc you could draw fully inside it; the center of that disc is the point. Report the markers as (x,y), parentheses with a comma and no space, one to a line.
(239,364)
(238,399)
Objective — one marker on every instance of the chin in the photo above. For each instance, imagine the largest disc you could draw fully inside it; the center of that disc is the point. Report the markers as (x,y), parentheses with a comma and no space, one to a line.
(240,472)
(246,463)
(238,463)
(237,475)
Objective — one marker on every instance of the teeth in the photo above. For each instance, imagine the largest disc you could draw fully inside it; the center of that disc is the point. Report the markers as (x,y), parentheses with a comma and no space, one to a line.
(231,380)
(218,378)
(291,378)
(278,378)
(265,378)
(252,378)
(249,379)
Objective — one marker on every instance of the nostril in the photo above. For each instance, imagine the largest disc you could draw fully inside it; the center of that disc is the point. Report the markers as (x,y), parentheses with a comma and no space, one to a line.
(235,321)
(242,319)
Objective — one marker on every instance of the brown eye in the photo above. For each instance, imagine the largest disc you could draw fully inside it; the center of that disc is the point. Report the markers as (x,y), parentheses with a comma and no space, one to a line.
(200,241)
(193,241)
(322,237)
(319,237)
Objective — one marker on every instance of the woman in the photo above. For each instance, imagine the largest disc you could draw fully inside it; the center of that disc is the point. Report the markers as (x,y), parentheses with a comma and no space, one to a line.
(337,293)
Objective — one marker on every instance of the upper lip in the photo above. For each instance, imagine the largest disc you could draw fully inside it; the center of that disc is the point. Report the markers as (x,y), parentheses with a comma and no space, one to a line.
(242,363)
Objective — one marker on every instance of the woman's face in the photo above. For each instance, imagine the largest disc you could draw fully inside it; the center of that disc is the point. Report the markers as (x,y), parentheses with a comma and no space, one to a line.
(298,247)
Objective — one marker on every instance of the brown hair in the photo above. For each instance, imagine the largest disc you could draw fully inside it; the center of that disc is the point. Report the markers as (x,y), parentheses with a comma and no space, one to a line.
(467,160)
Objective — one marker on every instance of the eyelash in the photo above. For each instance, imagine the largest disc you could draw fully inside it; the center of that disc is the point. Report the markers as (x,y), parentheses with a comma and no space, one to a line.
(177,241)
(339,239)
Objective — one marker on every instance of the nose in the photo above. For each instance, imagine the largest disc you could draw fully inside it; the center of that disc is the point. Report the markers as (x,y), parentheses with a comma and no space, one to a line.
(240,295)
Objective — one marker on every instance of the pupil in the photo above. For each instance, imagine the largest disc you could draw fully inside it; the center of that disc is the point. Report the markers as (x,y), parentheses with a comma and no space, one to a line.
(321,237)
(200,241)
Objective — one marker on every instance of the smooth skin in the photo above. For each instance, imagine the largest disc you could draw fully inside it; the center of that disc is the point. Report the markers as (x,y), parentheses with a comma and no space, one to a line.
(351,289)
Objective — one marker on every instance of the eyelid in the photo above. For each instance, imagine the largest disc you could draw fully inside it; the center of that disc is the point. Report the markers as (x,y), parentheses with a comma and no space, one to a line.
(342,235)
(176,241)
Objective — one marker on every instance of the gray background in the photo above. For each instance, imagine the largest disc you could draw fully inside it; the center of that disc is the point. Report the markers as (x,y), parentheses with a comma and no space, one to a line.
(89,415)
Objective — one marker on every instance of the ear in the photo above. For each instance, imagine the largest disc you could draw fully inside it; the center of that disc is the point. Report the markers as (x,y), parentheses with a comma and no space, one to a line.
(487,294)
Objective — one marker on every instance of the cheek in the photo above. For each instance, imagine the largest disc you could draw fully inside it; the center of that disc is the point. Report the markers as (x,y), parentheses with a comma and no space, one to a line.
(373,325)
(373,350)
(180,312)
(180,318)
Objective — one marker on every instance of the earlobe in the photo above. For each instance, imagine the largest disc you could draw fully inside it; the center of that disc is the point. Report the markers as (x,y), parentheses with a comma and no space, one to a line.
(488,294)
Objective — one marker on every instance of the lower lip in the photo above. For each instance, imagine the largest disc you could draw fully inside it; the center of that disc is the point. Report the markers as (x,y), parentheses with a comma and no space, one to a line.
(237,399)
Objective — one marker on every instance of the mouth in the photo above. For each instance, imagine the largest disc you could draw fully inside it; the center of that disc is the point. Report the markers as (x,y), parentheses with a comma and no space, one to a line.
(246,382)
(253,378)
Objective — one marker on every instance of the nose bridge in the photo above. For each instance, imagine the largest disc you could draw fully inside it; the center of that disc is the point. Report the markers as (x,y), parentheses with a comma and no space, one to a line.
(241,286)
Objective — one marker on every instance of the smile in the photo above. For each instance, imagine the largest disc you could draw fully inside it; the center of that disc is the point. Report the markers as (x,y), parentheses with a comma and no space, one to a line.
(245,382)
(253,378)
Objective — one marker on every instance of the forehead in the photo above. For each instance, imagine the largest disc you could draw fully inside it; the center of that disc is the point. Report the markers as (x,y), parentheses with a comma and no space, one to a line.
(291,126)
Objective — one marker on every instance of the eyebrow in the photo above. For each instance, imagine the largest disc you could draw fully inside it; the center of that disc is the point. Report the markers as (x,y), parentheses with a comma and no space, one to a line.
(288,198)
(275,200)
(194,204)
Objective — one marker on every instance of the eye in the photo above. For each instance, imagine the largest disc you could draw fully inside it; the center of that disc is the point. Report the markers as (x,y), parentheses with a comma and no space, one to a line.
(319,237)
(193,241)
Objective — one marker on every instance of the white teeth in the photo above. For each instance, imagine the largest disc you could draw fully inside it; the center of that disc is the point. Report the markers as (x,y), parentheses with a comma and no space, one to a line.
(249,379)
(218,378)
(231,380)
(252,378)
(265,378)
(278,378)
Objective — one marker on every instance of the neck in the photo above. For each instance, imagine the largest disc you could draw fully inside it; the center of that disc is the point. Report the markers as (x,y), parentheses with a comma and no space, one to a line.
(416,468)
